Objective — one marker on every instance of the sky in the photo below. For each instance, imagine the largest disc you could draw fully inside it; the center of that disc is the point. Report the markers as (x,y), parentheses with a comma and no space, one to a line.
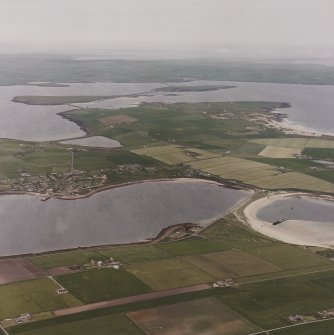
(280,28)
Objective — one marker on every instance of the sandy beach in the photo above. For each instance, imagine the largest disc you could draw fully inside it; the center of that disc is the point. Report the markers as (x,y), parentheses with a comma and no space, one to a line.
(299,232)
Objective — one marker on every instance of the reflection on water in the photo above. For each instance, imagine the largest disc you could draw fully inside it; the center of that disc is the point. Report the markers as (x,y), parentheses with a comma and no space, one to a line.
(305,208)
(312,106)
(122,215)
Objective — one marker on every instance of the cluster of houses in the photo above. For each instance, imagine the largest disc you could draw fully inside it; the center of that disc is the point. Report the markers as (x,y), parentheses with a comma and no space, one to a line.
(109,263)
(225,283)
(23,318)
(328,314)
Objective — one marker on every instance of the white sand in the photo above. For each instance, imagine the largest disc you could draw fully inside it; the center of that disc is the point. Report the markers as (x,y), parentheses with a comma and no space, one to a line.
(94,141)
(308,233)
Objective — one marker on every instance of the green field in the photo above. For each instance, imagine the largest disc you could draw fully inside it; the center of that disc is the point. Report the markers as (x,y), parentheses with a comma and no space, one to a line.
(266,303)
(269,303)
(289,257)
(279,152)
(169,273)
(102,284)
(188,124)
(65,259)
(319,328)
(296,143)
(204,316)
(35,159)
(235,168)
(105,325)
(32,296)
(192,246)
(319,153)
(172,154)
(294,180)
(232,263)
(134,254)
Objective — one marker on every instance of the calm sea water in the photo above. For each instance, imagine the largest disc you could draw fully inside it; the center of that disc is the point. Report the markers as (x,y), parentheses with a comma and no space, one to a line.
(122,215)
(312,106)
(308,209)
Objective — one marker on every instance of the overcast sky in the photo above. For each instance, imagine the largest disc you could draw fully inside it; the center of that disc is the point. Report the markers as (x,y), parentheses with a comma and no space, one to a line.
(285,27)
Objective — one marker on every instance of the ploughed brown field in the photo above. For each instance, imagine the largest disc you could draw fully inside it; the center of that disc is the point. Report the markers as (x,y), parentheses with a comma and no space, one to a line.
(18,269)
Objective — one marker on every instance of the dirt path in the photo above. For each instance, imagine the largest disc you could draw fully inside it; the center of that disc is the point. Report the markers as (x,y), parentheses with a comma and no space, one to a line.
(128,300)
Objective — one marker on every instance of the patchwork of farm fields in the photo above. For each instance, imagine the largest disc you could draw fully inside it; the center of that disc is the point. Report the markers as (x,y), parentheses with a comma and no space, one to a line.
(268,280)
(296,143)
(202,316)
(173,154)
(294,180)
(279,152)
(251,171)
(228,250)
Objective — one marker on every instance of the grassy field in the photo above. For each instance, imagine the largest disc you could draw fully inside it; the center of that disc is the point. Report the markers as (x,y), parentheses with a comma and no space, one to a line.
(289,257)
(157,150)
(105,325)
(279,152)
(318,328)
(173,158)
(204,316)
(102,284)
(134,254)
(319,153)
(32,296)
(172,154)
(296,143)
(17,157)
(269,303)
(266,304)
(209,137)
(114,310)
(65,259)
(234,234)
(231,264)
(191,247)
(182,123)
(169,273)
(235,168)
(117,119)
(294,180)
(320,143)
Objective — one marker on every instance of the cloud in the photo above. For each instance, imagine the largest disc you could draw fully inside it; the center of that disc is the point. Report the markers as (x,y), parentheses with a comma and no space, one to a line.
(86,25)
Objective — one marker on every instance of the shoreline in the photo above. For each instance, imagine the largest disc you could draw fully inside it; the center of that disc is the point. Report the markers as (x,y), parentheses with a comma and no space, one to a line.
(275,119)
(297,232)
(241,187)
(164,232)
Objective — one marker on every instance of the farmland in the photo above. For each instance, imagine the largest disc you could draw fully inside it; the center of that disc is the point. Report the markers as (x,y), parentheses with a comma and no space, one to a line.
(196,317)
(279,152)
(103,284)
(172,140)
(222,141)
(231,264)
(227,250)
(269,303)
(105,325)
(169,273)
(34,296)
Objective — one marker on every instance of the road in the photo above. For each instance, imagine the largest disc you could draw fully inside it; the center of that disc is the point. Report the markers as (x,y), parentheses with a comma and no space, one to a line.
(128,300)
